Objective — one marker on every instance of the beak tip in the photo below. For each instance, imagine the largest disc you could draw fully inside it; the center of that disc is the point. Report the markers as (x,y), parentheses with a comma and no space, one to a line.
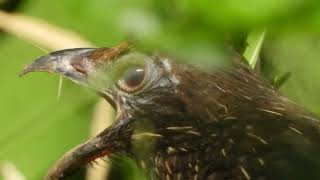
(40,64)
(24,71)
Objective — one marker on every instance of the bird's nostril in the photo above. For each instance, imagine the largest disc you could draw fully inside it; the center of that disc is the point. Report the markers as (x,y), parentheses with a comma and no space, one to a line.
(79,68)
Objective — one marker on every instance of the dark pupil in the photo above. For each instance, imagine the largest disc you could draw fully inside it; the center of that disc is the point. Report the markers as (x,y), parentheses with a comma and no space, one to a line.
(133,76)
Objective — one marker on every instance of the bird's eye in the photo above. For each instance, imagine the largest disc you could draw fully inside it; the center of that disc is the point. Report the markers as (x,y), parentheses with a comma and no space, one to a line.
(132,79)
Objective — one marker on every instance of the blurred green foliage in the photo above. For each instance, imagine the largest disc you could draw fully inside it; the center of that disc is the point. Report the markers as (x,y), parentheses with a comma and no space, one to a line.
(36,129)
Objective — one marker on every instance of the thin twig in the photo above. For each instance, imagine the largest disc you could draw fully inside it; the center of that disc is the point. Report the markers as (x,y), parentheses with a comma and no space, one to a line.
(59,88)
(102,118)
(9,172)
(40,32)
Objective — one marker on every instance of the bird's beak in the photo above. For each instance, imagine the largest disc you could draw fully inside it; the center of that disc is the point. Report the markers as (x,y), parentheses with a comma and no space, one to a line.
(71,63)
(80,65)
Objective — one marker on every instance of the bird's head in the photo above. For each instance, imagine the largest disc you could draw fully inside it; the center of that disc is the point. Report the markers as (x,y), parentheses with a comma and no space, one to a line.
(127,79)
(183,113)
(142,89)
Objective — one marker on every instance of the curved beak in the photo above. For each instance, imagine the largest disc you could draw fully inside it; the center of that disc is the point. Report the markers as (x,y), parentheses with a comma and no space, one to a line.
(71,63)
(80,65)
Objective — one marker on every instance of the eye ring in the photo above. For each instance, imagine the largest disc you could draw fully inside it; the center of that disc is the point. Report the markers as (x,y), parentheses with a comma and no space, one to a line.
(132,79)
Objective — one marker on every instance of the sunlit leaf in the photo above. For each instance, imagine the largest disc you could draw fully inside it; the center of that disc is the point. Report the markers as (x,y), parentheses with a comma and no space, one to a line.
(255,41)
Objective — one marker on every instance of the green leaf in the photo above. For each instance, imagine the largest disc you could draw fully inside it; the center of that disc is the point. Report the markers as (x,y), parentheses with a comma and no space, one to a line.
(279,80)
(255,41)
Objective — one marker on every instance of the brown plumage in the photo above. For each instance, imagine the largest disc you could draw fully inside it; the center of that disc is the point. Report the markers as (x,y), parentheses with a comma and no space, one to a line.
(184,122)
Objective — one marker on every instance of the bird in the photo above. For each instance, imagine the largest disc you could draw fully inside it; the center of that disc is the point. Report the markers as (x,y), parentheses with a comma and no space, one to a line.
(180,121)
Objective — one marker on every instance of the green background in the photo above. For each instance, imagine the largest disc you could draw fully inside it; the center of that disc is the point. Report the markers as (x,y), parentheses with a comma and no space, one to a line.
(35,129)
